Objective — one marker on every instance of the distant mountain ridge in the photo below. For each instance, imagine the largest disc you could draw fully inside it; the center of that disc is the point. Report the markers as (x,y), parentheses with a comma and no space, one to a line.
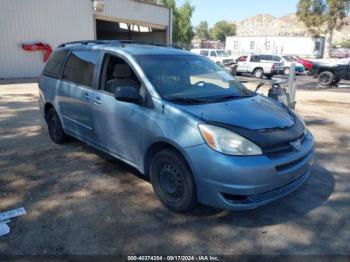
(288,25)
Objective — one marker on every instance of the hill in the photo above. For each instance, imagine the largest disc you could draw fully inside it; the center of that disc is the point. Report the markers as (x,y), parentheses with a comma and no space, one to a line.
(288,25)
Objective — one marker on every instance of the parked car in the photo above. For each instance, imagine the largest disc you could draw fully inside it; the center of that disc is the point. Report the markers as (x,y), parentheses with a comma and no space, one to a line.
(218,56)
(286,60)
(253,64)
(331,73)
(179,119)
(306,63)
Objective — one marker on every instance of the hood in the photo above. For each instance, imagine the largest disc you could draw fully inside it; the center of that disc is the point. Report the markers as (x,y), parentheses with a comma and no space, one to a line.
(254,113)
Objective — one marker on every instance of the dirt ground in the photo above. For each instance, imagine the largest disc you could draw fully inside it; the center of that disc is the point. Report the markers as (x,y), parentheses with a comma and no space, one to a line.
(82,202)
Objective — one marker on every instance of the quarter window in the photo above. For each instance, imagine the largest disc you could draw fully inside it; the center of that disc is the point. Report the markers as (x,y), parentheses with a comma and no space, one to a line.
(53,66)
(80,67)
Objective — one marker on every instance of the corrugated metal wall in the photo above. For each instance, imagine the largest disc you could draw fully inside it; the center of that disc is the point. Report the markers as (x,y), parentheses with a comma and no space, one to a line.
(49,21)
(57,21)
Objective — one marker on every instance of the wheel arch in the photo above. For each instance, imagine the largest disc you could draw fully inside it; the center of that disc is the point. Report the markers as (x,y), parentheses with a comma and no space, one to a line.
(256,68)
(156,147)
(47,108)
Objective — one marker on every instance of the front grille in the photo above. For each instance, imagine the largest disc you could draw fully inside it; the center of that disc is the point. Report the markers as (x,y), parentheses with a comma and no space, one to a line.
(228,61)
(281,148)
(285,167)
(269,195)
(280,191)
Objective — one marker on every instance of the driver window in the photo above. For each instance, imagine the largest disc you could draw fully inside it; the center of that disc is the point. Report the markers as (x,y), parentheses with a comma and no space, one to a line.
(116,72)
(212,53)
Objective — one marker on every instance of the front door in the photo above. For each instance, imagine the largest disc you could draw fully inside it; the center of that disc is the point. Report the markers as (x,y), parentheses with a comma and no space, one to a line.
(76,92)
(117,125)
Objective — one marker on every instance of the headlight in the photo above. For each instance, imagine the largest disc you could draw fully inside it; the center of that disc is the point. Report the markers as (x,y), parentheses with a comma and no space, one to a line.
(227,142)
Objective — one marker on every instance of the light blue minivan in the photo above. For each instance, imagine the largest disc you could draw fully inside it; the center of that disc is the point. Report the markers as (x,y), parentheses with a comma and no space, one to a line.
(179,119)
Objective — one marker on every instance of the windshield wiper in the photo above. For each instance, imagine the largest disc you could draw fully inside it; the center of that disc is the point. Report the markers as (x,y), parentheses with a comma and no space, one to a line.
(185,99)
(231,97)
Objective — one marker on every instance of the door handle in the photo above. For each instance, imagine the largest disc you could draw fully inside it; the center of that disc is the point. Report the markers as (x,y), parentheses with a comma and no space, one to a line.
(86,97)
(98,101)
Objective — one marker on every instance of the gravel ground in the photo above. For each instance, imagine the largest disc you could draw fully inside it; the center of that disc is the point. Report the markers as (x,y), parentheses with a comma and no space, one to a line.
(82,202)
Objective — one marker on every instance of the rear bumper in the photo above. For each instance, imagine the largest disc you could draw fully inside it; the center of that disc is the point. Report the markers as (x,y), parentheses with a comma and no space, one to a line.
(239,183)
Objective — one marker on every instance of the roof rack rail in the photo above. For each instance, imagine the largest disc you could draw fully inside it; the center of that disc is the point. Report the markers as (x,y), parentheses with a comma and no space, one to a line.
(99,42)
(149,43)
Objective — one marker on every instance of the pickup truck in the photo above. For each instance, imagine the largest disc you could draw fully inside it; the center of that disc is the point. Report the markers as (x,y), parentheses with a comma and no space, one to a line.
(329,74)
(252,64)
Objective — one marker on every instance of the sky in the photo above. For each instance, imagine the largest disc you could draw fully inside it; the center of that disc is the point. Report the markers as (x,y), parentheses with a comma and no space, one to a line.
(236,10)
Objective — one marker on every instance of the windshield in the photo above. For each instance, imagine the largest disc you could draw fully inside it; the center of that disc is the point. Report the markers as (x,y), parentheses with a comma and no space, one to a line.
(221,53)
(190,77)
(288,59)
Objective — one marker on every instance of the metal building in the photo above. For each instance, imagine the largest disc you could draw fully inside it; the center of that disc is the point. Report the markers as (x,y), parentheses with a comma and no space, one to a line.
(28,25)
(283,45)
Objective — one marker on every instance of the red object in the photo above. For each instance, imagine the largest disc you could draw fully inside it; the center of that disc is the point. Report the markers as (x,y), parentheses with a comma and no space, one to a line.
(46,48)
(306,63)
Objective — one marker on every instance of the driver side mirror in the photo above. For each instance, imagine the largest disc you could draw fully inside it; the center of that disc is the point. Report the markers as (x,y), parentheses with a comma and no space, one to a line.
(128,94)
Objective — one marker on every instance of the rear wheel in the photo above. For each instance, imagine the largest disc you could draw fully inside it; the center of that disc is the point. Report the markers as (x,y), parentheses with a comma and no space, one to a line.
(55,128)
(172,181)
(258,73)
(326,78)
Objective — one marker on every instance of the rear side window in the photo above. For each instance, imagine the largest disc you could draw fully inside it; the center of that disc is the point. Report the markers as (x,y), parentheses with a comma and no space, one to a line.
(53,66)
(80,67)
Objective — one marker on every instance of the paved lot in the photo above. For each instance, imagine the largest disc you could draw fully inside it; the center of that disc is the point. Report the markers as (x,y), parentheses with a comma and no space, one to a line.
(82,202)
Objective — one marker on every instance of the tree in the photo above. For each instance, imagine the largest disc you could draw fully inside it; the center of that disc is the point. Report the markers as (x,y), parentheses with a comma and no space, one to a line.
(222,29)
(182,27)
(202,30)
(322,17)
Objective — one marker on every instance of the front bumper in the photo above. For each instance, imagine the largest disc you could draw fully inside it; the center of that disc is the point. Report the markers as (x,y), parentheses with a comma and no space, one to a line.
(246,182)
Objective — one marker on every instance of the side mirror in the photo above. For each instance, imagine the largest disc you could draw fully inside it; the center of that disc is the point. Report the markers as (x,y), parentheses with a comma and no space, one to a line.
(128,94)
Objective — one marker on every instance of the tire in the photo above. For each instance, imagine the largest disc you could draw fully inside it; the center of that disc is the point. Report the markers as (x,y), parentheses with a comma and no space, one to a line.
(173,181)
(258,73)
(54,126)
(286,71)
(326,78)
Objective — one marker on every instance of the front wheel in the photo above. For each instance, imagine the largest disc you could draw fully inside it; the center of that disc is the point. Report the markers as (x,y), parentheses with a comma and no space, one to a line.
(258,73)
(326,78)
(173,181)
(55,128)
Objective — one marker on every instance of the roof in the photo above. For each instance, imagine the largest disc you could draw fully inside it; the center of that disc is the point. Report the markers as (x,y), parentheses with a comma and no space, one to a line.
(136,49)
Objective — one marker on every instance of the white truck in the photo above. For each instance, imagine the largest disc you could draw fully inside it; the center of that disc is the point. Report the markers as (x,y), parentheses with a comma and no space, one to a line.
(218,56)
(253,64)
